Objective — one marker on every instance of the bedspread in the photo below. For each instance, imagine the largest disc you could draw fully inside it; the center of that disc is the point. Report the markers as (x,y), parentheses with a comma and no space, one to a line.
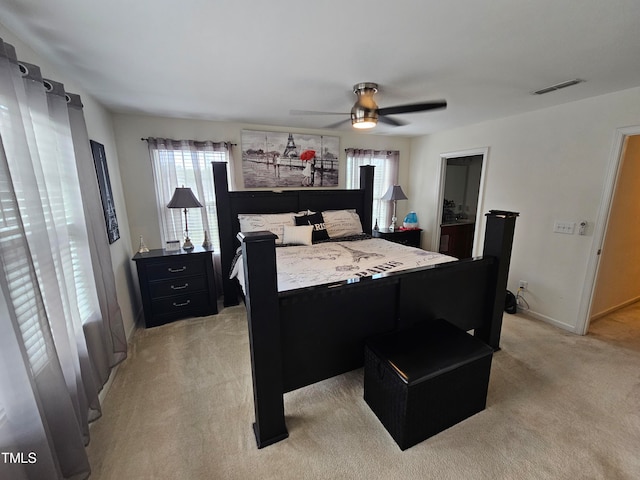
(325,263)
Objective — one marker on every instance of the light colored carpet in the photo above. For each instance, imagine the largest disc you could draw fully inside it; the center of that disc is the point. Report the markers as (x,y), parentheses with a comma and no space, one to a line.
(560,406)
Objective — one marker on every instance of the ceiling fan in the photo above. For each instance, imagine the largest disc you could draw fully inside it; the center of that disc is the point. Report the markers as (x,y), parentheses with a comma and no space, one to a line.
(365,112)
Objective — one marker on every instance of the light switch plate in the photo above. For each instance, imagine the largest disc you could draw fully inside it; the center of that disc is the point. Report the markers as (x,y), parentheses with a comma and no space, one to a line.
(564,227)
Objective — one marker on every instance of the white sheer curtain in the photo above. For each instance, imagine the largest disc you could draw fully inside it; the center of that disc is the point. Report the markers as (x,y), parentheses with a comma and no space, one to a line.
(50,371)
(178,163)
(385,175)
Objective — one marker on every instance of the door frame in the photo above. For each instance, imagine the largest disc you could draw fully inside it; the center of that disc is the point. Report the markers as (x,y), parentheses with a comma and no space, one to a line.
(479,226)
(601,226)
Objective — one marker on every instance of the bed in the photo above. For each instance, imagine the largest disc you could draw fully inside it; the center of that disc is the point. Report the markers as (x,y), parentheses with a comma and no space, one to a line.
(302,335)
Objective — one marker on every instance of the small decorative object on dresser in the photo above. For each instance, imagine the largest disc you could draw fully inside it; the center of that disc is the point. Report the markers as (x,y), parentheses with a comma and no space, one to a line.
(176,285)
(142,248)
(409,237)
(172,246)
(207,245)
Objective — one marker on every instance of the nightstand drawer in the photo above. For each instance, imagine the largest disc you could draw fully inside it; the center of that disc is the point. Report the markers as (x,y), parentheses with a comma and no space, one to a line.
(189,304)
(177,286)
(406,241)
(410,238)
(175,267)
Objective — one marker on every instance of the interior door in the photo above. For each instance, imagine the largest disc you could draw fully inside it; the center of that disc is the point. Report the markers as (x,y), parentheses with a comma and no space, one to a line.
(460,201)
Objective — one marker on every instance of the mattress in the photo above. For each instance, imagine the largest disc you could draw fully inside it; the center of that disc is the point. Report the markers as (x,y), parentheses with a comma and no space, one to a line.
(325,263)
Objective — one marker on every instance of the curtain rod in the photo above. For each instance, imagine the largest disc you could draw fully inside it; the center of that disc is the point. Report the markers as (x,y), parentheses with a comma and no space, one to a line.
(228,144)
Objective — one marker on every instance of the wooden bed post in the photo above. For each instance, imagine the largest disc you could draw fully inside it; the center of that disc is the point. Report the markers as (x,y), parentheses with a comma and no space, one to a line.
(223,208)
(498,241)
(366,184)
(263,315)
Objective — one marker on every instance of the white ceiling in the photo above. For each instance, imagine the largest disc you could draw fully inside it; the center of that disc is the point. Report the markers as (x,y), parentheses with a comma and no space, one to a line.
(253,62)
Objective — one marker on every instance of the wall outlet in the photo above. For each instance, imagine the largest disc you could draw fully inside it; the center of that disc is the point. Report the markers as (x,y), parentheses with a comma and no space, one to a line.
(523,284)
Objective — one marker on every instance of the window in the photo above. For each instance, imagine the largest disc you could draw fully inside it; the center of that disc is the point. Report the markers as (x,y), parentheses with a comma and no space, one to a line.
(385,175)
(178,163)
(21,282)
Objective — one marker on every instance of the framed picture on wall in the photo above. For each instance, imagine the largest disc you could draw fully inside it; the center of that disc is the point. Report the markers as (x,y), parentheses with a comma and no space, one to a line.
(280,159)
(104,183)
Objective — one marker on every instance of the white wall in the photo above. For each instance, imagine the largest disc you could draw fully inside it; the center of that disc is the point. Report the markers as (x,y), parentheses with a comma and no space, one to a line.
(135,165)
(100,127)
(548,165)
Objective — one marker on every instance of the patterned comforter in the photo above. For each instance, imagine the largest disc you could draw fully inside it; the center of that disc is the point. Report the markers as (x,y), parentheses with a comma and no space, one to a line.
(325,263)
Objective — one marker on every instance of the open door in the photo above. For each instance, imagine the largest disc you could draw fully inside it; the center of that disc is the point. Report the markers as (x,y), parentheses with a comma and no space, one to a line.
(611,280)
(461,194)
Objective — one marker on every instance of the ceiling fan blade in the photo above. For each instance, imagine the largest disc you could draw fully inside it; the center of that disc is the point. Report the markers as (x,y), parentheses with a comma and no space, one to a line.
(311,112)
(390,121)
(415,107)
(338,124)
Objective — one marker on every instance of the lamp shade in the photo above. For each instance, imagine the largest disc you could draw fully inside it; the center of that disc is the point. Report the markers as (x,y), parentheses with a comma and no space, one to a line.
(394,193)
(183,197)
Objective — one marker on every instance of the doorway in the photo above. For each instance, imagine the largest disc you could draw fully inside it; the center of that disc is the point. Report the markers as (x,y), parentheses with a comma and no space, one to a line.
(461,192)
(614,265)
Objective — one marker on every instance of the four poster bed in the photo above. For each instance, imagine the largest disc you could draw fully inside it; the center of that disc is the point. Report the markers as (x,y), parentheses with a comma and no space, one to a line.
(299,336)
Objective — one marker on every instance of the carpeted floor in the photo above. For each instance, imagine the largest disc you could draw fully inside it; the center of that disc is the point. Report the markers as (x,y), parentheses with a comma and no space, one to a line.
(560,406)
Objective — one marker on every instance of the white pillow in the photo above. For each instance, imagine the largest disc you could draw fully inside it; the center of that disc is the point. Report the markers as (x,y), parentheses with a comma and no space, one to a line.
(299,235)
(342,223)
(273,222)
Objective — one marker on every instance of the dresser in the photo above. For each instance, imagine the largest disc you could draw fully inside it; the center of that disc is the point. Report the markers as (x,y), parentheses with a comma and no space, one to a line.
(456,239)
(176,285)
(405,237)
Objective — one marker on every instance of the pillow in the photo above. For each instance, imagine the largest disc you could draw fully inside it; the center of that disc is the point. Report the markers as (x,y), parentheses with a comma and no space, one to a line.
(319,230)
(342,223)
(301,235)
(273,222)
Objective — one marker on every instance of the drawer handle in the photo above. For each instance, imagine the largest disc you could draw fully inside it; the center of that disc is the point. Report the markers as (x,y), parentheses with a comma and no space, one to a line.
(181,304)
(176,270)
(173,287)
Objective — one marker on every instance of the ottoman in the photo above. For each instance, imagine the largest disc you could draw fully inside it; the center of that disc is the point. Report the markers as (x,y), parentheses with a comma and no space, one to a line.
(425,379)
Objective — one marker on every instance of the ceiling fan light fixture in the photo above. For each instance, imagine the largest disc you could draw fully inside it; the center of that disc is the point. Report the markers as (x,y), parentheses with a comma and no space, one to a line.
(363,118)
(363,124)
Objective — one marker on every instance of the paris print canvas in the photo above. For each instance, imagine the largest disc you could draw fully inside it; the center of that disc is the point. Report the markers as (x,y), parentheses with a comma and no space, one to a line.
(281,159)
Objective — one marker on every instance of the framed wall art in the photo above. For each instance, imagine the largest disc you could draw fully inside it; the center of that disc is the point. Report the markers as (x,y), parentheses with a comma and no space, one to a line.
(280,159)
(104,183)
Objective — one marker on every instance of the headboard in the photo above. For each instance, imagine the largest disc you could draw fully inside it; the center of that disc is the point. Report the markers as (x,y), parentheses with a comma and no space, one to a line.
(230,204)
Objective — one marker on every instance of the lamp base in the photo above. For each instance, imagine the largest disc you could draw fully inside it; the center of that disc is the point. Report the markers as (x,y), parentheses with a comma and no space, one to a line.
(394,224)
(187,246)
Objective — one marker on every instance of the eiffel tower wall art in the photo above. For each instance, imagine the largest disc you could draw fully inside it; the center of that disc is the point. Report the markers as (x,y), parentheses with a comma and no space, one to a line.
(282,159)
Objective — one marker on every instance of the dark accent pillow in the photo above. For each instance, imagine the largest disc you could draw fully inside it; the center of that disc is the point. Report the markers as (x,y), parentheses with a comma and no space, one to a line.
(319,229)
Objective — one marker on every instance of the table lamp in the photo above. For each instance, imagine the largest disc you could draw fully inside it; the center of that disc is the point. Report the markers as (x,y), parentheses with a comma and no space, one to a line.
(183,197)
(394,194)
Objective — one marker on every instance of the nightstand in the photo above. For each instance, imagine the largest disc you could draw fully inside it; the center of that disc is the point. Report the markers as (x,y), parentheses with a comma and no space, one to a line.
(176,285)
(410,238)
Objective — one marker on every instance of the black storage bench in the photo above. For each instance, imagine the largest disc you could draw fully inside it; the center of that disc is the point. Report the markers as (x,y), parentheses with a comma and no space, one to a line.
(425,379)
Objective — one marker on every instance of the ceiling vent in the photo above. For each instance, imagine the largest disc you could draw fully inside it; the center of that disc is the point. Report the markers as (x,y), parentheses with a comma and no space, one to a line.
(558,86)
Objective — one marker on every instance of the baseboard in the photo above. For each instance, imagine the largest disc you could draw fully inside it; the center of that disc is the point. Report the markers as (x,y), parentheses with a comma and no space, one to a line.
(105,389)
(614,308)
(139,322)
(129,335)
(550,320)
